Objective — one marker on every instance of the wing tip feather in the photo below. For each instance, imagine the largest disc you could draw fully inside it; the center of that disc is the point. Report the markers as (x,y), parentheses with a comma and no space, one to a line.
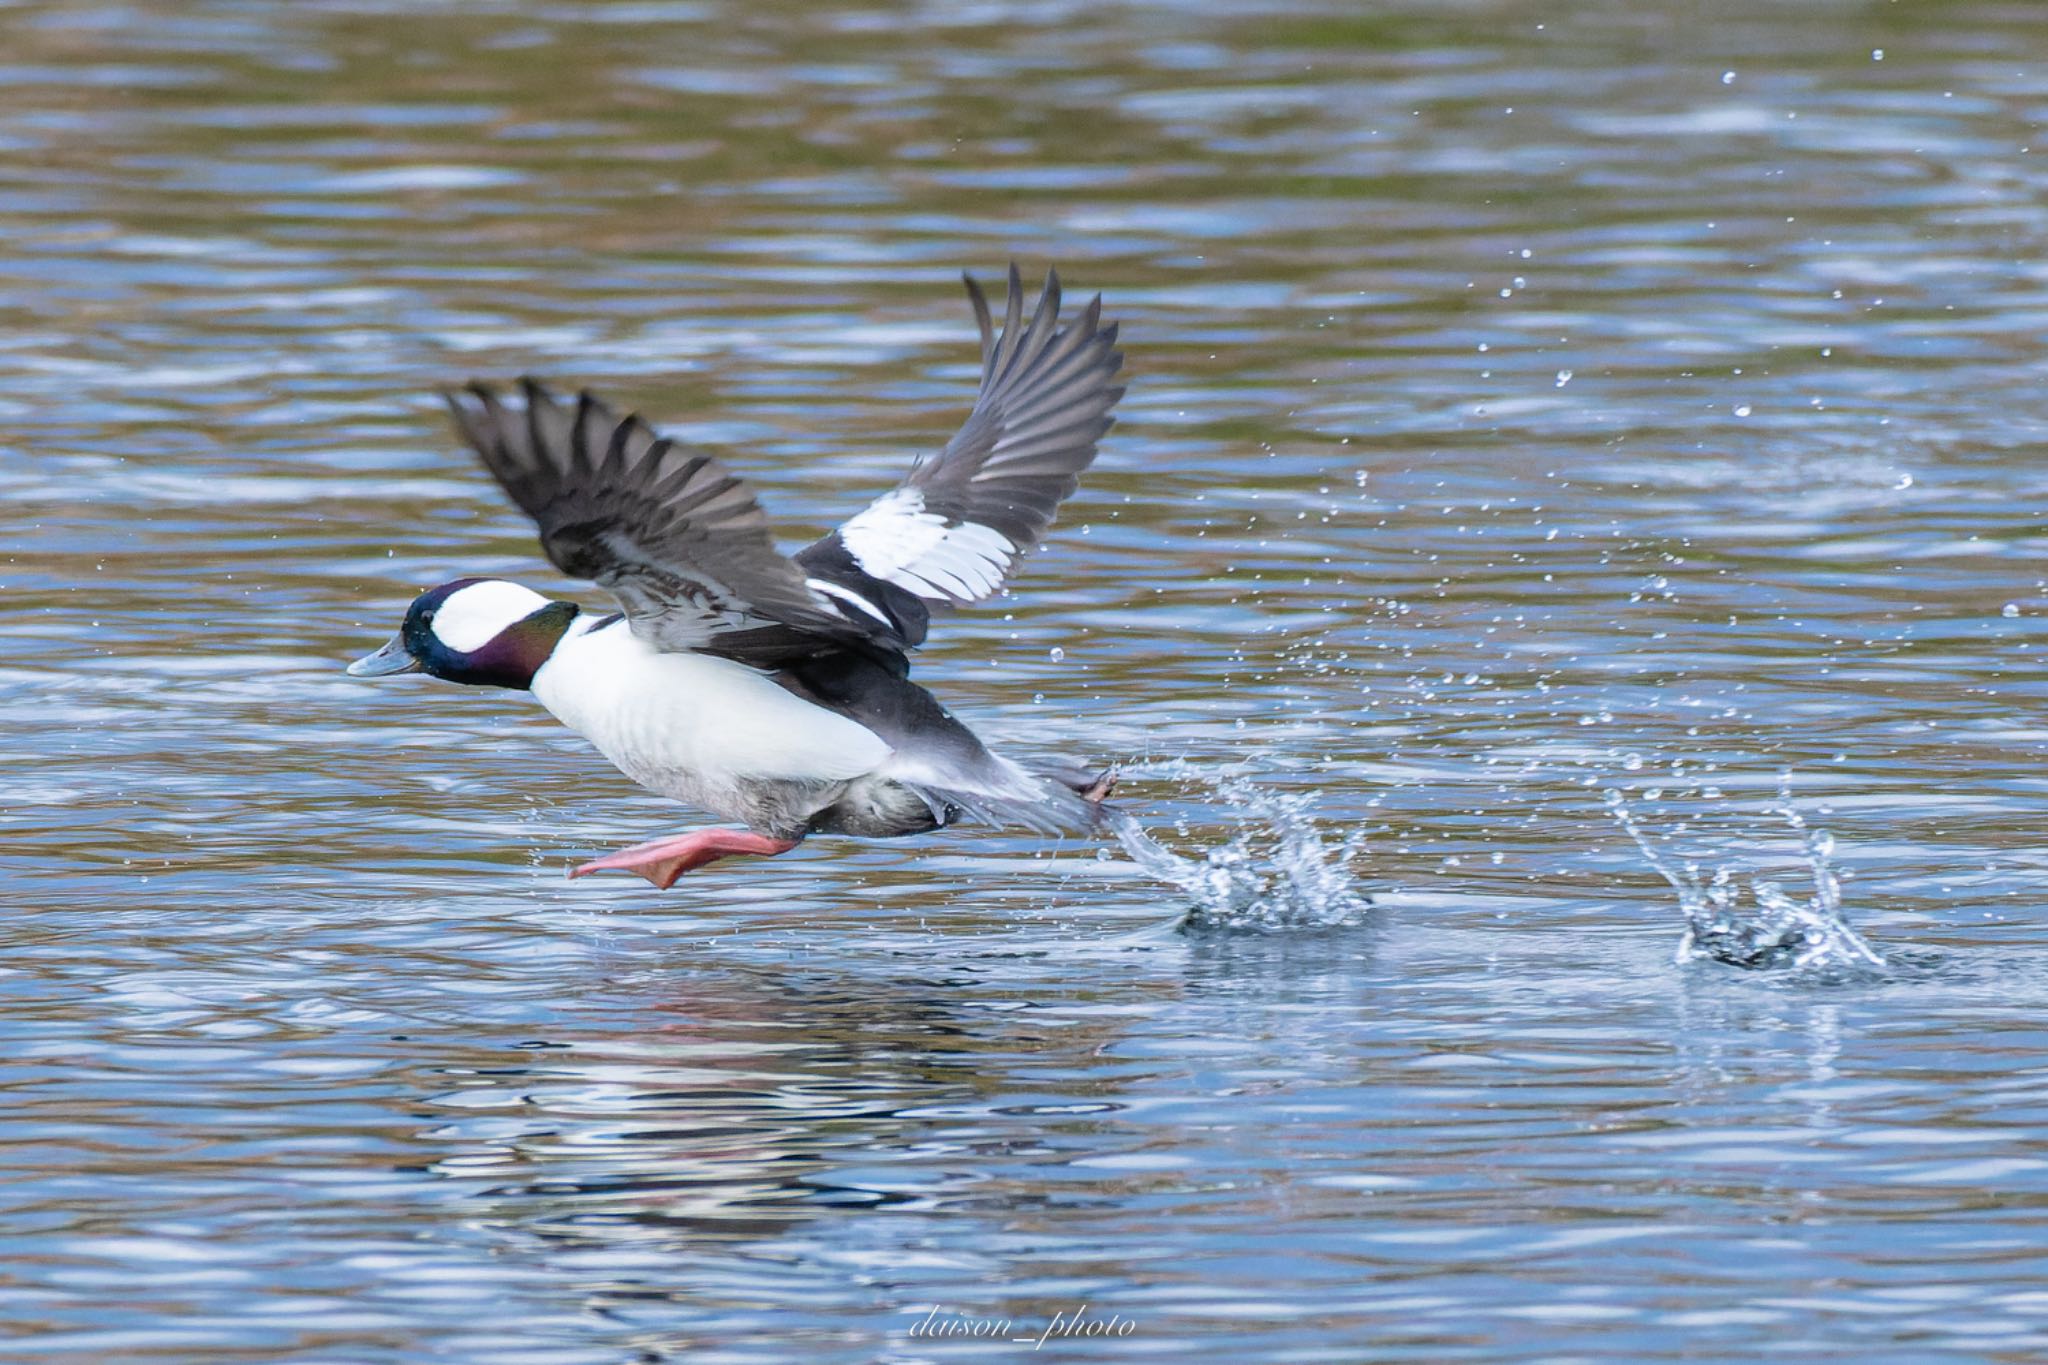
(982,318)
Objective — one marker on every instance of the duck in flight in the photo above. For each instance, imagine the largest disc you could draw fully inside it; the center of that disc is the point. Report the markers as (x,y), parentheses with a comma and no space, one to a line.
(774,690)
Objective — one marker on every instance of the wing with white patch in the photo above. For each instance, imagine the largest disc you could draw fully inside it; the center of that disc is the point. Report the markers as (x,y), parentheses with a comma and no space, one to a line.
(898,539)
(957,526)
(665,529)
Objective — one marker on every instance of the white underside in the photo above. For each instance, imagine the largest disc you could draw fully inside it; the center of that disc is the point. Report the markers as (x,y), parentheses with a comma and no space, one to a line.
(694,727)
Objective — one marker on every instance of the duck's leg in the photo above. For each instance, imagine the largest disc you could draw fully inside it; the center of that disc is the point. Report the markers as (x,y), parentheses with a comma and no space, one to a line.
(1098,790)
(661,861)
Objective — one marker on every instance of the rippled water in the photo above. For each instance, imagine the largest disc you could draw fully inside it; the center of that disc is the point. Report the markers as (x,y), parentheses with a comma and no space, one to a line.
(1527,401)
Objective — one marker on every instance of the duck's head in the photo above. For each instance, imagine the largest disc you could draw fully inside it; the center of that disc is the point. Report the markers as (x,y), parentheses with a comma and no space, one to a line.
(483,631)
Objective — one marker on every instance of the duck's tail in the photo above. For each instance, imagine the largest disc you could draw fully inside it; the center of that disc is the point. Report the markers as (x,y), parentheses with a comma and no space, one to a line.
(1045,798)
(1093,787)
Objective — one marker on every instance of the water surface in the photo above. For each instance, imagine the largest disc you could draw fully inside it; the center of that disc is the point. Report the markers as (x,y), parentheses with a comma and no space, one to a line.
(1527,401)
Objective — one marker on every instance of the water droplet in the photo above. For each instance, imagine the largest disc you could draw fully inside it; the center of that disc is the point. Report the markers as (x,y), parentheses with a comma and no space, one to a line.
(1632,762)
(1727,78)
(1056,654)
(1905,481)
(1877,54)
(1743,409)
(2010,609)
(1564,377)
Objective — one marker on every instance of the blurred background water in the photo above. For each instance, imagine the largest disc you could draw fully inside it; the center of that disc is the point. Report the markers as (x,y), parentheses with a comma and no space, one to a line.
(1527,401)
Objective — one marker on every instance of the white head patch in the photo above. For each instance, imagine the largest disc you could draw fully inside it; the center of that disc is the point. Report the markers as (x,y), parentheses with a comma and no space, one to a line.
(470,618)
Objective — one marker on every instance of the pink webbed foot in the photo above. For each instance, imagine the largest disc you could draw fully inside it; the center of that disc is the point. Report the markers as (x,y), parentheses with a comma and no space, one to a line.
(661,861)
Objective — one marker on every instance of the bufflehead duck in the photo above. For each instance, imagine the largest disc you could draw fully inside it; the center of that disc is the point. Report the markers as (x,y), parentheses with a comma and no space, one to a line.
(774,690)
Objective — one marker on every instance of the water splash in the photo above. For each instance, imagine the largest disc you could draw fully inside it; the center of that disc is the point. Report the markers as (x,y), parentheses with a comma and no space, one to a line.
(1776,931)
(1277,872)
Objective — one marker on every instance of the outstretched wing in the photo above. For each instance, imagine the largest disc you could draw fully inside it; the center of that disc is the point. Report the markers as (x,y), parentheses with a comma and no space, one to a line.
(956,527)
(665,529)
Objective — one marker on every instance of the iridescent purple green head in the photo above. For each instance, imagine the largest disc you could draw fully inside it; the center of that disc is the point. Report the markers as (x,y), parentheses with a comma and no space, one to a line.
(482,631)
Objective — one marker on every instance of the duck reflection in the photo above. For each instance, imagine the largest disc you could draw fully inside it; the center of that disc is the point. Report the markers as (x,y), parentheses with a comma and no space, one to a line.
(738,1105)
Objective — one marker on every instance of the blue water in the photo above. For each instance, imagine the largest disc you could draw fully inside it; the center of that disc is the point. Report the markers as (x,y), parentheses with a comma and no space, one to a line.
(1527,403)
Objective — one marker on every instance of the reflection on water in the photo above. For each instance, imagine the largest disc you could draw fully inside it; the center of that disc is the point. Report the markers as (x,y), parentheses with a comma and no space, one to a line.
(1525,403)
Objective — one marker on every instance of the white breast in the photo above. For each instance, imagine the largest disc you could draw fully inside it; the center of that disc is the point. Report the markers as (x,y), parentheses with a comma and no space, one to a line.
(692,726)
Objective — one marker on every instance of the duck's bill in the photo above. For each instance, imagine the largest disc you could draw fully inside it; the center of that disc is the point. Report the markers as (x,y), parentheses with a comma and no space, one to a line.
(393,658)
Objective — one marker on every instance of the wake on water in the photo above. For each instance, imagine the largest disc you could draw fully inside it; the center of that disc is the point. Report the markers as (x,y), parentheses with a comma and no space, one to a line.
(1277,872)
(1776,931)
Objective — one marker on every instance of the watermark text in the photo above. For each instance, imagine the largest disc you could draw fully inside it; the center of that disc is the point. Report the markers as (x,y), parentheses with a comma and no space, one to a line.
(1082,1320)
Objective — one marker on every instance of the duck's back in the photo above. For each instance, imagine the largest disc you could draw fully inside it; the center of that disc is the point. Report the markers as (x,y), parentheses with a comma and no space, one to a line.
(932,755)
